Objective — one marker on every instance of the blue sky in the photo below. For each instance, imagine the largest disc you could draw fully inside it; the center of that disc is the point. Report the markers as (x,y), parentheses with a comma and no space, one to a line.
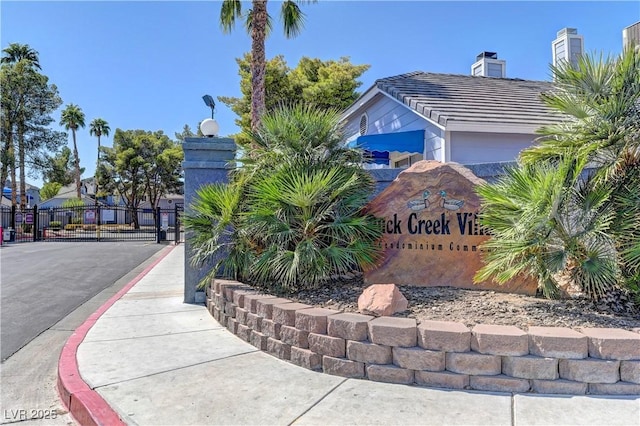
(145,65)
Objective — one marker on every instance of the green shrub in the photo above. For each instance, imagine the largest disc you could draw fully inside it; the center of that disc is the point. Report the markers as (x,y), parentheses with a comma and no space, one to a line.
(545,225)
(72,202)
(55,224)
(308,225)
(76,220)
(548,223)
(292,216)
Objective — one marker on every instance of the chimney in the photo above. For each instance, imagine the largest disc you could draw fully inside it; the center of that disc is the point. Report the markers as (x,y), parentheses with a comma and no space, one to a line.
(567,47)
(631,35)
(488,65)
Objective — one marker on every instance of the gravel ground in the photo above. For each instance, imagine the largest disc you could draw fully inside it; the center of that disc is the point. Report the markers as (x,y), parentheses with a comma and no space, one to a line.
(473,307)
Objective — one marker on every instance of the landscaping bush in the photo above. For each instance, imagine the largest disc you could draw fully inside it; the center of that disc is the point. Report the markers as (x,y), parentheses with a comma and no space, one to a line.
(55,224)
(76,220)
(292,216)
(556,219)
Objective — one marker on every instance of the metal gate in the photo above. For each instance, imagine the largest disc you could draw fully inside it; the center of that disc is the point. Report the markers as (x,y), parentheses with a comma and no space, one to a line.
(91,223)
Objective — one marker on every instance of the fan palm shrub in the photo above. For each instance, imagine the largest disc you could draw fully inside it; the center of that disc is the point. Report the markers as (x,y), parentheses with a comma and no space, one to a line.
(215,227)
(292,216)
(571,209)
(546,224)
(308,224)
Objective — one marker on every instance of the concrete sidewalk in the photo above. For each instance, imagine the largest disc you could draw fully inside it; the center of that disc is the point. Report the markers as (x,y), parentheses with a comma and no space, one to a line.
(157,361)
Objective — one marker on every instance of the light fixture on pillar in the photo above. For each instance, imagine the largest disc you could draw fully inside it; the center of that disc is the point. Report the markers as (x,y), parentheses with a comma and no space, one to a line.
(209,126)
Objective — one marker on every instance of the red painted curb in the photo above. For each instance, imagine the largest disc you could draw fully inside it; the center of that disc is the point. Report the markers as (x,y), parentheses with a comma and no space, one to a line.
(85,404)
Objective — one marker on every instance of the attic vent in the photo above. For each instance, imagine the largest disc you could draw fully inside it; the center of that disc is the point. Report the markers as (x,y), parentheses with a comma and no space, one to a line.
(364,124)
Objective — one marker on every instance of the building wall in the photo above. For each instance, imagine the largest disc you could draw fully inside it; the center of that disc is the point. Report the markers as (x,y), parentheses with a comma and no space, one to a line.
(631,34)
(388,116)
(473,148)
(385,116)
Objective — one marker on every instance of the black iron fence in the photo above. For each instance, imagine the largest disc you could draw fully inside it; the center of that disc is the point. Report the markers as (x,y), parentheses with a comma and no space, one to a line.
(91,223)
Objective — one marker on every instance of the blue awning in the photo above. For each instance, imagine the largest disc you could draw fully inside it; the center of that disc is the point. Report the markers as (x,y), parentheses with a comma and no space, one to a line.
(389,142)
(379,157)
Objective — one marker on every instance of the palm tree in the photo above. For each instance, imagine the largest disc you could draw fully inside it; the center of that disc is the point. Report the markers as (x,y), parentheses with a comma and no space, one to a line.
(98,127)
(73,118)
(17,52)
(258,24)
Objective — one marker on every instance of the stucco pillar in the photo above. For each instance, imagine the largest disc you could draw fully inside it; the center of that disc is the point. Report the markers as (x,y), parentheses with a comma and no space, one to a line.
(206,160)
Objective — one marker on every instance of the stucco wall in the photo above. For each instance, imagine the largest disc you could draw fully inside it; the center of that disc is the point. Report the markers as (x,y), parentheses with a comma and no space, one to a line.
(474,148)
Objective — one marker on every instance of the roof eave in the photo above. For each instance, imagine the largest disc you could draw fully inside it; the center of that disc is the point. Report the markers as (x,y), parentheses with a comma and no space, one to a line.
(360,102)
(492,127)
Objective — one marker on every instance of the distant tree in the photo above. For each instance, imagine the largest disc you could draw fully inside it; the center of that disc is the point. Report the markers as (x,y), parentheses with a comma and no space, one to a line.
(50,190)
(28,100)
(162,174)
(98,127)
(258,23)
(73,118)
(325,84)
(140,164)
(188,133)
(13,55)
(17,52)
(60,168)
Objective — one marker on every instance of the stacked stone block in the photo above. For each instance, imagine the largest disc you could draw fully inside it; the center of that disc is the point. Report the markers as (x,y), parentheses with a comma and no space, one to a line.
(553,360)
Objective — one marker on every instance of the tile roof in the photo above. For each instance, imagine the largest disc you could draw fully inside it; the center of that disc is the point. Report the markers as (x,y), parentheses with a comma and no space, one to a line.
(447,98)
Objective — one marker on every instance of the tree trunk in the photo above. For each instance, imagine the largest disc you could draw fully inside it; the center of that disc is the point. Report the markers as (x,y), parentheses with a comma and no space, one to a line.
(14,187)
(134,217)
(23,185)
(6,161)
(95,175)
(258,62)
(76,161)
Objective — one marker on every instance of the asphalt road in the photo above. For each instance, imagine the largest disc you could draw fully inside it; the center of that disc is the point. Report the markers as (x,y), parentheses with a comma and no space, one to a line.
(42,282)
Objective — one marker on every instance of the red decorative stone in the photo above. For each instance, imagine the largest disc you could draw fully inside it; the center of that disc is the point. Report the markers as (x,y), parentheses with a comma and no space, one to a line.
(382,300)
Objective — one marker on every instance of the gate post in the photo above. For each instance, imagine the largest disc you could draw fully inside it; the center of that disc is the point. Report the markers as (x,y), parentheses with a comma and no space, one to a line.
(36,225)
(206,161)
(158,230)
(13,217)
(98,222)
(176,225)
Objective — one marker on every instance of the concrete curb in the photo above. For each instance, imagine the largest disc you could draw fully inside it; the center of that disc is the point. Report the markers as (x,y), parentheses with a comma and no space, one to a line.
(85,404)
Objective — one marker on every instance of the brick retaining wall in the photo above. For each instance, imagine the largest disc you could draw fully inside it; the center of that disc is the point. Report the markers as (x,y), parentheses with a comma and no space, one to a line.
(550,360)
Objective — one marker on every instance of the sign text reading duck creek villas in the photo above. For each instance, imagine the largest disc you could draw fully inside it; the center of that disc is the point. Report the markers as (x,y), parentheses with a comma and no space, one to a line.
(431,231)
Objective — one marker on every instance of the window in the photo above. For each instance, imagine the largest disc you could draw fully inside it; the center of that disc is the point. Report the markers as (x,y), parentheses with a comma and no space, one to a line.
(407,161)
